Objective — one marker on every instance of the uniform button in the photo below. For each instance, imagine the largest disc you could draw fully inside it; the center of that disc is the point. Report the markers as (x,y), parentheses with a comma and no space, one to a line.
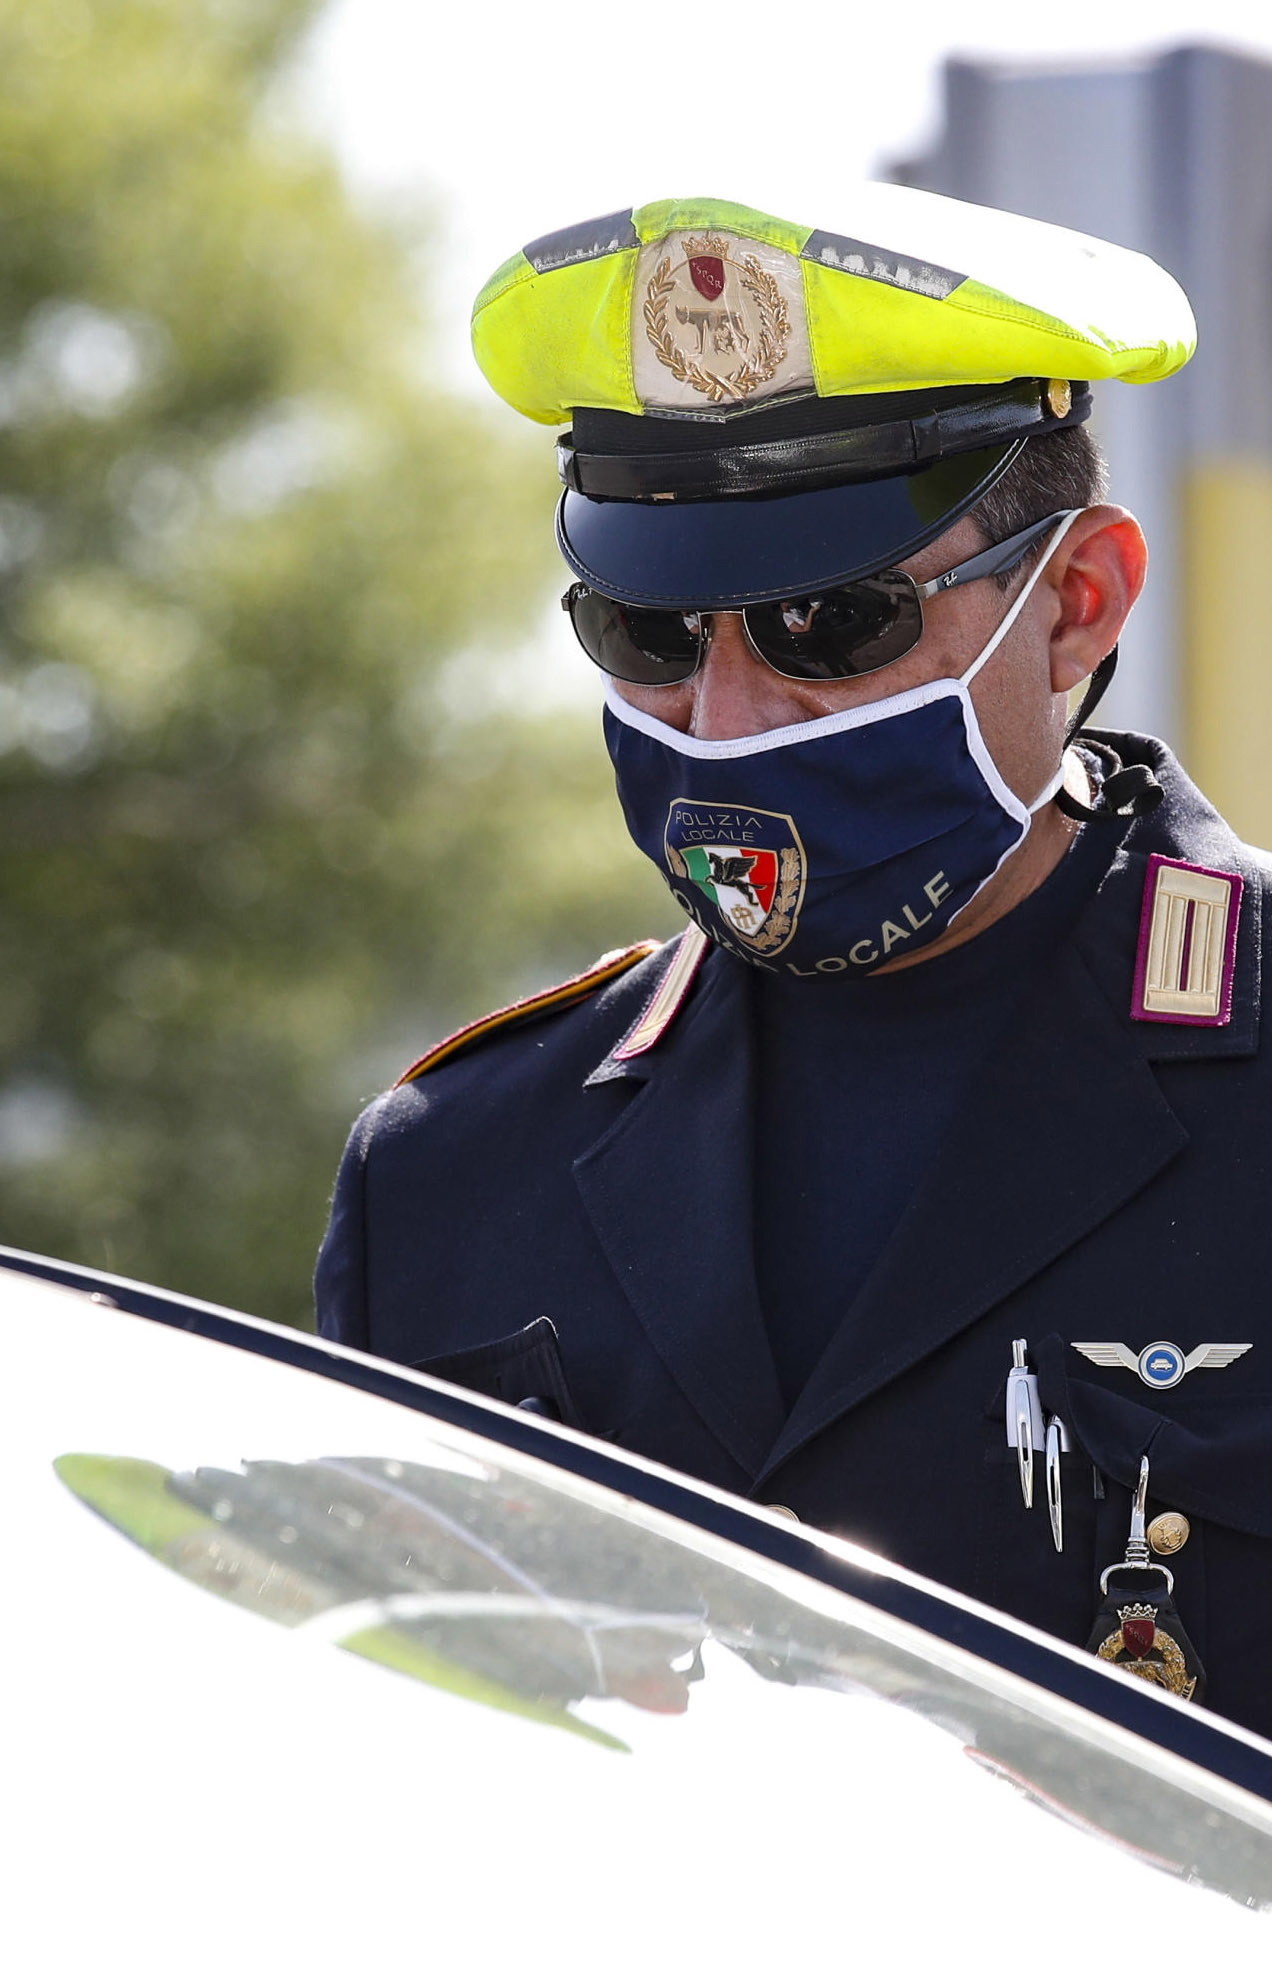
(1168,1532)
(786,1512)
(541,1406)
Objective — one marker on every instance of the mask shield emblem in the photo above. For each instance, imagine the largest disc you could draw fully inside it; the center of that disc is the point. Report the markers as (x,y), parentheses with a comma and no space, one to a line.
(739,871)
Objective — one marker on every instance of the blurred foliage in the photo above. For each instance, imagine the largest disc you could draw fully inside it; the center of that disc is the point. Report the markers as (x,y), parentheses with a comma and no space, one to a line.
(266,833)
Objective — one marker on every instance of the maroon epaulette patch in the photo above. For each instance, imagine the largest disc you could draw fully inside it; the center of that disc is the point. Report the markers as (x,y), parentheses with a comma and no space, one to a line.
(1187,944)
(611,966)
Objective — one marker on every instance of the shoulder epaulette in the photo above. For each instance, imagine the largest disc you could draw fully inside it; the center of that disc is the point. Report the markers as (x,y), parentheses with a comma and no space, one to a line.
(1187,956)
(611,965)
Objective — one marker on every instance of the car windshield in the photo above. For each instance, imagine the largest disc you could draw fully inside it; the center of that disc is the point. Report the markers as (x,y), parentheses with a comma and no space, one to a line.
(646,1673)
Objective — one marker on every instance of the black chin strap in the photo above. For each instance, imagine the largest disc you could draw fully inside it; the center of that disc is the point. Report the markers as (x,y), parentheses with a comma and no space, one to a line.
(1125,790)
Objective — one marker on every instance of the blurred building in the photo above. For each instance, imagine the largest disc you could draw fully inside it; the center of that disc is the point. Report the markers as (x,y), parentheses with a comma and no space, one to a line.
(1172,156)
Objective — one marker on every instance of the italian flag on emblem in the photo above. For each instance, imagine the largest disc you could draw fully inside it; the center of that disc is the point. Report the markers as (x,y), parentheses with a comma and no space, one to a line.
(741,883)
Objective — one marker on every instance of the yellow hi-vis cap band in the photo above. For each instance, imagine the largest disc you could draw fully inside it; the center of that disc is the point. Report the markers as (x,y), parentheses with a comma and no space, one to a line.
(702,308)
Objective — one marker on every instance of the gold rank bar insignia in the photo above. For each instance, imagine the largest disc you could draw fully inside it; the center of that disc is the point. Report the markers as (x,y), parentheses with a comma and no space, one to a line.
(1187,944)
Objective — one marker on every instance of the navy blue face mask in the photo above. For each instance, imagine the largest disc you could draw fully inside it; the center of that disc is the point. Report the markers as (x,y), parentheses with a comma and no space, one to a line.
(827,848)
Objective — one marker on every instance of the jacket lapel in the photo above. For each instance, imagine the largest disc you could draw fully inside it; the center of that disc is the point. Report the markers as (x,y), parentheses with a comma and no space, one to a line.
(668,1189)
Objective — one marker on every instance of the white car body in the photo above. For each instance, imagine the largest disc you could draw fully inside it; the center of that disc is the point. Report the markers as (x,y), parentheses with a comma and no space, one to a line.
(806,1779)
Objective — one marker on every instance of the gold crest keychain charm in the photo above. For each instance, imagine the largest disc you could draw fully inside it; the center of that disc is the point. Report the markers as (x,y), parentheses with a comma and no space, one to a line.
(1137,1626)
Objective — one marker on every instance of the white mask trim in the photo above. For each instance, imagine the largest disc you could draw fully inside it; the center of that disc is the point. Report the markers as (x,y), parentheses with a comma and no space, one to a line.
(812,729)
(783,735)
(1010,802)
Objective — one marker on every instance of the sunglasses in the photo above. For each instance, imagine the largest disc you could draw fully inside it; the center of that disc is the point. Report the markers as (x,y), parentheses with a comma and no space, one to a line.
(841,633)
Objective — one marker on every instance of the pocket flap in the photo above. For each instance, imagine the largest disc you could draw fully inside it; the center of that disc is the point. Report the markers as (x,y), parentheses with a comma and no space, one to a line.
(518,1366)
(1217,1462)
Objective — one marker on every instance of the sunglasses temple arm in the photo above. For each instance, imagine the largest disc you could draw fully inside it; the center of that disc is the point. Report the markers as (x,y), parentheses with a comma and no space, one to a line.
(996,560)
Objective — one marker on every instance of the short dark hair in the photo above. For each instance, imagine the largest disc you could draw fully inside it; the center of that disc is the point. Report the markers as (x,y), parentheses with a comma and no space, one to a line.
(1063,469)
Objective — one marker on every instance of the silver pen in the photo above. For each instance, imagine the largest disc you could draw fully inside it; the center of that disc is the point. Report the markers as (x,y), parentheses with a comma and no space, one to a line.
(1057,1441)
(1024,1417)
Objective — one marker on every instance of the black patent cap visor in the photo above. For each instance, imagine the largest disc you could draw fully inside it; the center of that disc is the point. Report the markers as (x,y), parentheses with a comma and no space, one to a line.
(722,554)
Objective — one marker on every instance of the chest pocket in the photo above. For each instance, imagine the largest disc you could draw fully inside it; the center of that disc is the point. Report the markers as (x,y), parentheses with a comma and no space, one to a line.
(524,1369)
(1209,1449)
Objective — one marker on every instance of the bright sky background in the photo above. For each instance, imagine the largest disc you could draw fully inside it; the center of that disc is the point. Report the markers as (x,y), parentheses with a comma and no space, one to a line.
(512,122)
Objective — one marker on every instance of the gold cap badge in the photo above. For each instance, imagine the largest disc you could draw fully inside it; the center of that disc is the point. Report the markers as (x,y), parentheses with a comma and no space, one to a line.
(721,322)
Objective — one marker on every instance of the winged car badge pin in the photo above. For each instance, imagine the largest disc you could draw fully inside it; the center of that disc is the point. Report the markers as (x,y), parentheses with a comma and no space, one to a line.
(1161,1365)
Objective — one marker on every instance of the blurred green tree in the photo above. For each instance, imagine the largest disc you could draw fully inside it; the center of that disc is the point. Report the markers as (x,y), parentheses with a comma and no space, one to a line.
(265,830)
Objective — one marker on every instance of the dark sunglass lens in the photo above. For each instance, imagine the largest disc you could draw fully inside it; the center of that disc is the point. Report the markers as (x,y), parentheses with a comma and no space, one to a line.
(640,646)
(842,634)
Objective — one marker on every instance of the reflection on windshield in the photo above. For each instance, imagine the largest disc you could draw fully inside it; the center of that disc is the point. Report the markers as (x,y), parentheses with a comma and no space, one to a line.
(527,1597)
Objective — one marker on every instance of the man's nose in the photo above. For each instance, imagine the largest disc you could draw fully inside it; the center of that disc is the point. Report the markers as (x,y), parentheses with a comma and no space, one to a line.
(736,694)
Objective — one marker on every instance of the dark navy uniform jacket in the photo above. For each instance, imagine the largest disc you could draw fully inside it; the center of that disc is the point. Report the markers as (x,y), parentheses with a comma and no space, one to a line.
(538,1218)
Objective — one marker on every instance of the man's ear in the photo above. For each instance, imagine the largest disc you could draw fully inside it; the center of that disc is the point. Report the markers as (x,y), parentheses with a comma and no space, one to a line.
(1095,576)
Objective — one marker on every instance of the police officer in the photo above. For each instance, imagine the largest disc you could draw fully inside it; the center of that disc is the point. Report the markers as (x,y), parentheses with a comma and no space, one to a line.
(917,1187)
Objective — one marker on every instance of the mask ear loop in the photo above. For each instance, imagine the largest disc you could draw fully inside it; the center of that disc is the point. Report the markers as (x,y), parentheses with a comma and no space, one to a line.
(1126,791)
(1054,787)
(1022,598)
